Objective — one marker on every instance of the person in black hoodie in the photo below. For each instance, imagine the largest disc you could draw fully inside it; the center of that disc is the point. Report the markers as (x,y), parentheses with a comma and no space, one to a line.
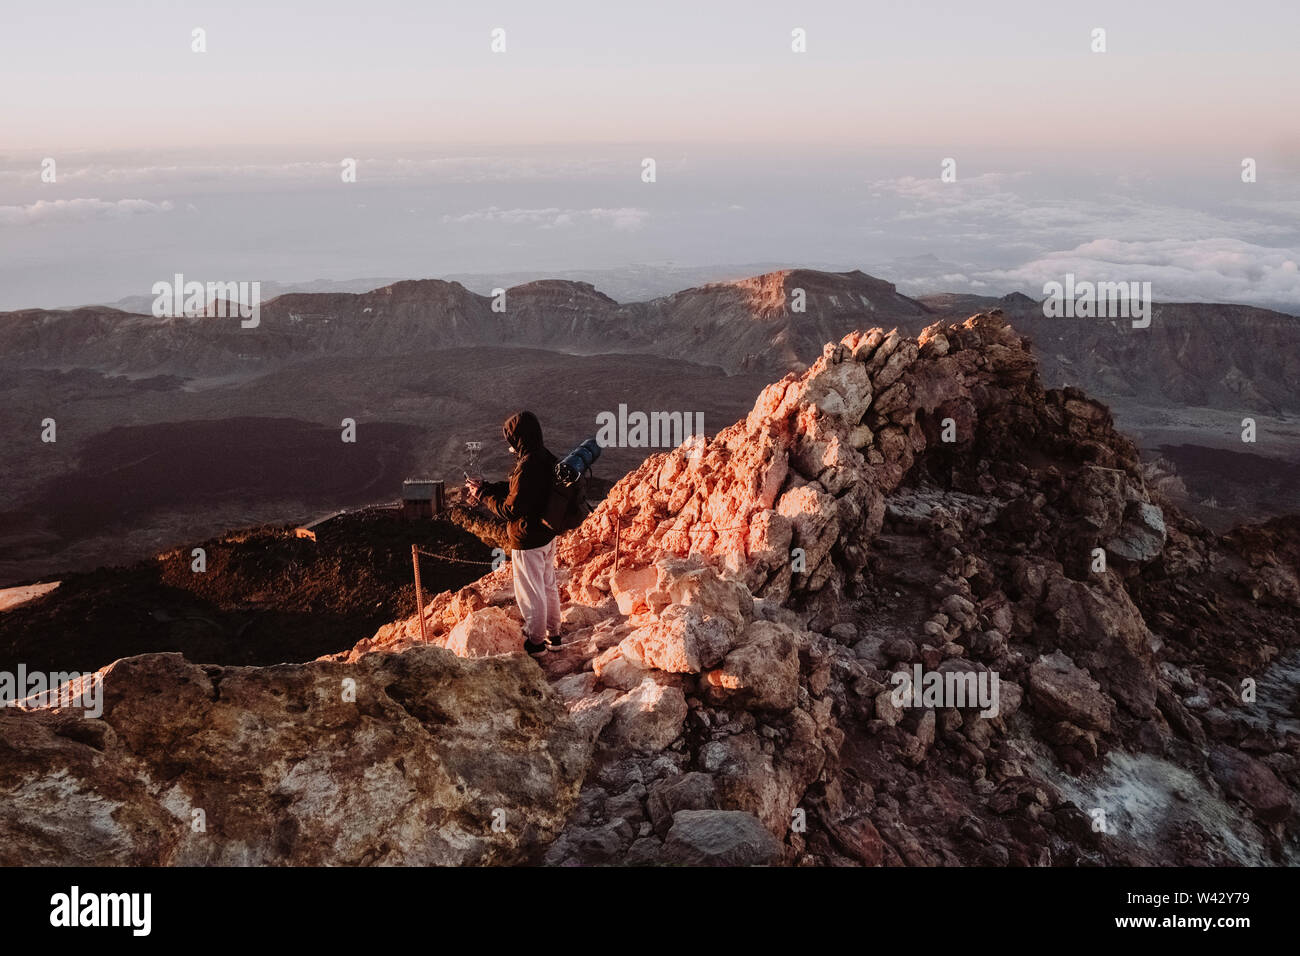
(521,501)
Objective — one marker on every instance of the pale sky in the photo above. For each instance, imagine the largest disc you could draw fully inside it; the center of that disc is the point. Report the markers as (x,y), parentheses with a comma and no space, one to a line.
(224,165)
(1187,73)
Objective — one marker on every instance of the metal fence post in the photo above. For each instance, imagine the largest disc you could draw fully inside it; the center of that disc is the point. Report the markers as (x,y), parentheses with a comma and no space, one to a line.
(419,594)
(618,530)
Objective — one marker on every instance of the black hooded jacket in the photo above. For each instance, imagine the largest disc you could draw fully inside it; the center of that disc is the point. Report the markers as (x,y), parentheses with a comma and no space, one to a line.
(521,498)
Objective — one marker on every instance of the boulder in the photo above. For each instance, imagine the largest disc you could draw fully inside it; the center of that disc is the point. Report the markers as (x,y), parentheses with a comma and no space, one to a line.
(719,838)
(692,584)
(630,585)
(1098,625)
(687,791)
(1141,536)
(685,640)
(1061,691)
(615,670)
(1251,781)
(485,632)
(845,633)
(579,616)
(886,710)
(768,784)
(647,718)
(763,673)
(860,839)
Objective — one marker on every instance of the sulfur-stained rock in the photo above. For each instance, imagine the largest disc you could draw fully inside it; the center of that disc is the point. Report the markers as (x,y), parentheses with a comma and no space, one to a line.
(395,759)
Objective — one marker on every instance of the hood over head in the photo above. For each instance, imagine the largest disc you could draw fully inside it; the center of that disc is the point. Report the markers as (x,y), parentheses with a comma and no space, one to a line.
(523,431)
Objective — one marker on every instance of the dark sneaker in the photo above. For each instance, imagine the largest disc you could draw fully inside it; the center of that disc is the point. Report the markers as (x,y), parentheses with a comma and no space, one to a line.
(555,642)
(538,647)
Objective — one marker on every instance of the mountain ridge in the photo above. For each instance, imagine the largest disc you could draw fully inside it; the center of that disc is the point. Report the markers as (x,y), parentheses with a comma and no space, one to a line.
(1222,356)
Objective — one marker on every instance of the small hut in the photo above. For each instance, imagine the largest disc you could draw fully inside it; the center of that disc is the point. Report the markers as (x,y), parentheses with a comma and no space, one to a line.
(423,498)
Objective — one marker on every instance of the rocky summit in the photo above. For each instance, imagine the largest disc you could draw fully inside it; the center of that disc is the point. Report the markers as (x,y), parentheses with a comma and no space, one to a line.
(914,609)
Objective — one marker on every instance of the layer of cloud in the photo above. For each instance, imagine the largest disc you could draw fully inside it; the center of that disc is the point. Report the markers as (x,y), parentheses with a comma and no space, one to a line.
(991,206)
(932,189)
(553,217)
(78,210)
(374,169)
(1179,270)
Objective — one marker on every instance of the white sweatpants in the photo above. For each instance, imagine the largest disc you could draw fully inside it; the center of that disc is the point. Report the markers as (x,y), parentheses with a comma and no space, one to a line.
(536,592)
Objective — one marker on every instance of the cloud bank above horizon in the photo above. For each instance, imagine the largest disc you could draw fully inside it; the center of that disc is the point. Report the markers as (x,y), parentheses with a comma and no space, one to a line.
(1116,165)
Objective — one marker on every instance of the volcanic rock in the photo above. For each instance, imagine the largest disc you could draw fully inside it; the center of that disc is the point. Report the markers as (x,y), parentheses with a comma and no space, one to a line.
(708,601)
(647,718)
(1059,689)
(1247,779)
(763,673)
(719,838)
(484,632)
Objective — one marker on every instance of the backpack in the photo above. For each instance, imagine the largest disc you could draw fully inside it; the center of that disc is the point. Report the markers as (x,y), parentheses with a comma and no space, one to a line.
(566,504)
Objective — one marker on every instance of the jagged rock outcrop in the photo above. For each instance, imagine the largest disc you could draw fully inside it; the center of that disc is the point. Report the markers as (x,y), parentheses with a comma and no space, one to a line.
(791,497)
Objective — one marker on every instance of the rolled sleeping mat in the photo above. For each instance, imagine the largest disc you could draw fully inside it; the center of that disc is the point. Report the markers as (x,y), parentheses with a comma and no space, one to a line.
(572,465)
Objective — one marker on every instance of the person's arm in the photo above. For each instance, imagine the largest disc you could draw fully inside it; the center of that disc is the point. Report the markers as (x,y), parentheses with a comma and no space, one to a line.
(502,501)
(495,495)
(493,490)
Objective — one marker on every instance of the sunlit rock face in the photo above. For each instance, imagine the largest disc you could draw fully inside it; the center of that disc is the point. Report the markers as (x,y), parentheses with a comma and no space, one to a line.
(789,499)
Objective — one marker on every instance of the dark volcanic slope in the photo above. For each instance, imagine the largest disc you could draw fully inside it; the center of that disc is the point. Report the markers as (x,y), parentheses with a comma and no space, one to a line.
(1239,482)
(138,470)
(266,596)
(127,472)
